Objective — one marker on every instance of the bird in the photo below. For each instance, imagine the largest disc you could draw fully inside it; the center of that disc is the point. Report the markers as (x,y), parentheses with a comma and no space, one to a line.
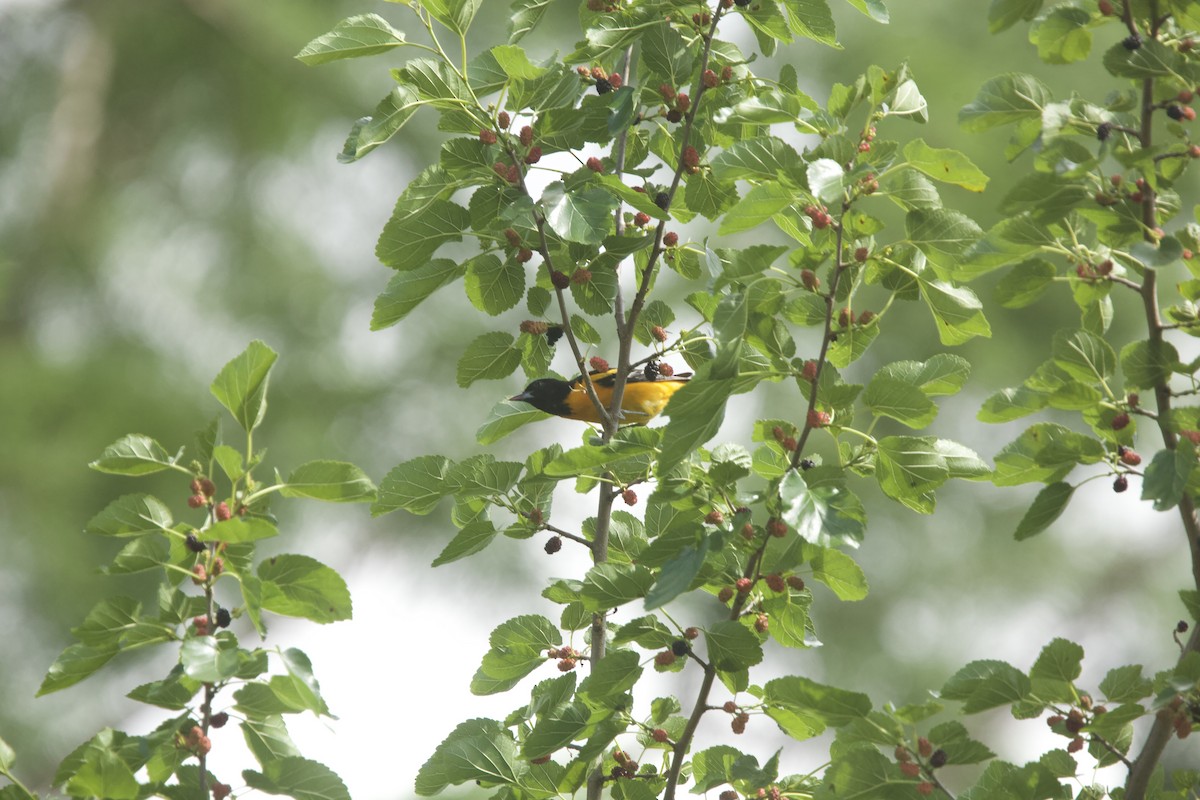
(646,395)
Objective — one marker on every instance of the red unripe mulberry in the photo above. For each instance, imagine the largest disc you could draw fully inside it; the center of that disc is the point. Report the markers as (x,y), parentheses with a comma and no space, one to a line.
(670,238)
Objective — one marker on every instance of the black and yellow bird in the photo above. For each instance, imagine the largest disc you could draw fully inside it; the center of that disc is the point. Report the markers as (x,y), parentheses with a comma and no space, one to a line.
(646,395)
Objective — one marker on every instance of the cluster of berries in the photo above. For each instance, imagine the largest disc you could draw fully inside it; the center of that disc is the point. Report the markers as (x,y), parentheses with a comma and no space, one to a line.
(914,768)
(1075,721)
(678,103)
(567,657)
(602,80)
(625,767)
(819,215)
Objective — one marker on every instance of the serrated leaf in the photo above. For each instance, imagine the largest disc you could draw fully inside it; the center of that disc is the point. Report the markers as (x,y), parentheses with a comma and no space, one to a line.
(477,750)
(333,481)
(131,515)
(134,454)
(416,486)
(298,778)
(406,290)
(1084,355)
(947,166)
(1004,100)
(731,646)
(490,356)
(1147,364)
(1166,477)
(986,684)
(241,385)
(888,397)
(1047,507)
(300,586)
(581,215)
(353,37)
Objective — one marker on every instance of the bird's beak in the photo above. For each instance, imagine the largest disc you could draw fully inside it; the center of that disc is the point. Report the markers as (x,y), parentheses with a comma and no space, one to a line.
(523,397)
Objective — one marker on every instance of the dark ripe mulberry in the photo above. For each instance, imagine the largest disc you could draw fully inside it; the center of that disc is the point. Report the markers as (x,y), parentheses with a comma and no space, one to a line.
(603,86)
(223,618)
(1132,42)
(662,200)
(1175,112)
(680,648)
(1120,421)
(939,758)
(741,3)
(219,719)
(553,545)
(1103,131)
(650,370)
(674,115)
(553,334)
(559,279)
(1120,484)
(194,544)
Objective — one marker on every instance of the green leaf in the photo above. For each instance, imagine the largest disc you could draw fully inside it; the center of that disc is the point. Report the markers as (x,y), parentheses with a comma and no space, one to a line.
(943,374)
(1146,365)
(909,467)
(298,778)
(241,385)
(361,35)
(268,739)
(638,200)
(1005,100)
(490,356)
(406,290)
(389,116)
(557,728)
(581,215)
(73,665)
(335,481)
(477,750)
(208,659)
(986,684)
(943,235)
(238,530)
(812,19)
(1045,453)
(174,692)
(762,158)
(666,56)
(709,197)
(611,585)
(760,204)
(826,179)
(524,17)
(834,707)
(1009,404)
(820,508)
(696,412)
(840,573)
(714,766)
(612,676)
(956,311)
(903,402)
(492,285)
(473,537)
(103,773)
(732,646)
(417,229)
(1048,506)
(299,586)
(1125,684)
(1084,356)
(504,418)
(590,458)
(131,515)
(1063,36)
(416,486)
(134,454)
(729,328)
(518,647)
(947,166)
(675,577)
(1025,283)
(1060,661)
(1166,476)
(1003,14)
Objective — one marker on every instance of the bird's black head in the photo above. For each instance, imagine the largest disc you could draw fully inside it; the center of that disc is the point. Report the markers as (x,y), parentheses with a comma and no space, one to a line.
(546,394)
